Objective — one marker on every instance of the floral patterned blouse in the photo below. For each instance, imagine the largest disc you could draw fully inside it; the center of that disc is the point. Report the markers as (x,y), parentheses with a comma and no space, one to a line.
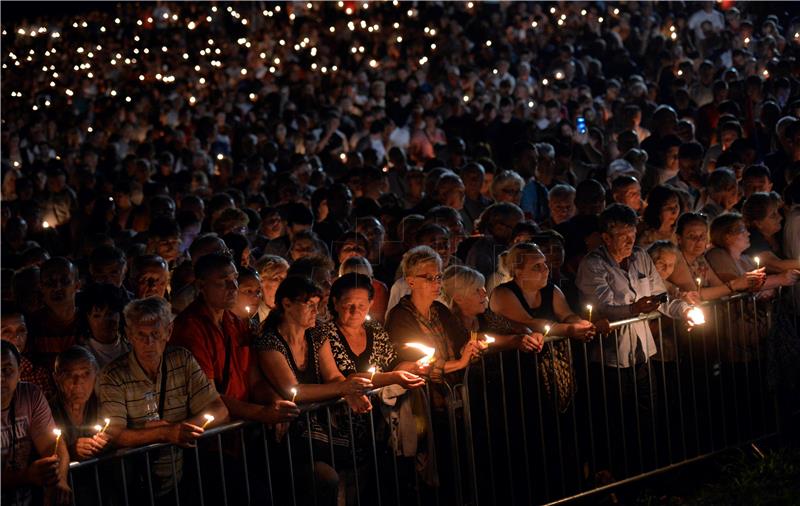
(379,351)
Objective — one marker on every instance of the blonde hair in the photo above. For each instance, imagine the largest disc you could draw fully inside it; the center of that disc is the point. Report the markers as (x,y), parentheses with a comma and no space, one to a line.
(417,256)
(460,278)
(518,255)
(270,265)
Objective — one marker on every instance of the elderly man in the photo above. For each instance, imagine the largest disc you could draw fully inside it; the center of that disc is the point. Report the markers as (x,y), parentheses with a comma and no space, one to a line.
(156,394)
(621,281)
(220,341)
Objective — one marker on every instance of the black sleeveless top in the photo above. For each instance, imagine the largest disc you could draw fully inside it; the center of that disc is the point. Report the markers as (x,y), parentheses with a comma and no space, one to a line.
(545,310)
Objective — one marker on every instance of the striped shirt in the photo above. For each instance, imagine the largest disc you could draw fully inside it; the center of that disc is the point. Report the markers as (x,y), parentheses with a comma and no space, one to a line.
(123,389)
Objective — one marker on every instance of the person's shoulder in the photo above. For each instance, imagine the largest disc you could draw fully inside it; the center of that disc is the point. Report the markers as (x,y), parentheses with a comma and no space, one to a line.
(117,368)
(29,391)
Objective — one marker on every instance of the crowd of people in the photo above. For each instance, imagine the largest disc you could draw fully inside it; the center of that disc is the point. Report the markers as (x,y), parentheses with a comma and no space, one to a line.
(219,212)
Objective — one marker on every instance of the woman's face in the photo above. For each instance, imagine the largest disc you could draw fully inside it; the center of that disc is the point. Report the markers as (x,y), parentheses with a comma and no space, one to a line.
(249,295)
(738,239)
(665,264)
(10,378)
(272,226)
(269,285)
(669,212)
(771,224)
(76,381)
(472,301)
(694,239)
(427,280)
(14,330)
(533,272)
(103,323)
(352,308)
(351,249)
(302,312)
(302,248)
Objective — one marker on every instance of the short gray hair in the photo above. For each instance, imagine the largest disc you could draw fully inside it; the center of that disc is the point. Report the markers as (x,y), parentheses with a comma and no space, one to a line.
(356,264)
(505,179)
(460,278)
(417,256)
(148,310)
(561,191)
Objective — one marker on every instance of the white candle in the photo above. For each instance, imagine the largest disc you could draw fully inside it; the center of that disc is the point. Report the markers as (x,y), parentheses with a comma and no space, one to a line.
(294,393)
(758,262)
(57,433)
(589,307)
(209,419)
(372,370)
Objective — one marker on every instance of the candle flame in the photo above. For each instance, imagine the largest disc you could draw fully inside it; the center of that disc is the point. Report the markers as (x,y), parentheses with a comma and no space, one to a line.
(209,418)
(758,261)
(45,224)
(57,433)
(696,316)
(372,369)
(247,308)
(489,339)
(97,428)
(546,329)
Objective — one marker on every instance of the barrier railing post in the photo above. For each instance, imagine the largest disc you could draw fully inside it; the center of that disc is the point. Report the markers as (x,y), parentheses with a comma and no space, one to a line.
(246,465)
(557,418)
(634,367)
(124,482)
(484,371)
(375,458)
(174,476)
(468,437)
(589,411)
(524,427)
(542,439)
(291,466)
(313,464)
(731,337)
(199,475)
(720,361)
(355,461)
(507,434)
(664,379)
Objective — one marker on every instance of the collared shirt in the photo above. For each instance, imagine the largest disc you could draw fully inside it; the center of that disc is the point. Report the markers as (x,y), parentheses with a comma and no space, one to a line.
(123,389)
(196,331)
(612,289)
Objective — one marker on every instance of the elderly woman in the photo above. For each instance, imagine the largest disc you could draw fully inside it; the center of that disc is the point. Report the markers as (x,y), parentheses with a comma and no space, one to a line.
(730,238)
(28,457)
(761,212)
(359,344)
(660,216)
(507,187)
(690,263)
(464,288)
(75,406)
(300,366)
(272,269)
(420,317)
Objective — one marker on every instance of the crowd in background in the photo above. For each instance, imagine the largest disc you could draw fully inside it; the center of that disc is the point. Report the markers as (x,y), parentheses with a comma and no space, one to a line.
(215,212)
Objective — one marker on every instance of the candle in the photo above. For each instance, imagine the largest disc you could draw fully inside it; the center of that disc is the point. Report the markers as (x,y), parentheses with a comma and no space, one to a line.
(699,284)
(45,224)
(247,308)
(209,419)
(372,370)
(758,262)
(546,330)
(107,421)
(489,339)
(427,350)
(696,316)
(589,308)
(369,318)
(98,428)
(57,433)
(294,393)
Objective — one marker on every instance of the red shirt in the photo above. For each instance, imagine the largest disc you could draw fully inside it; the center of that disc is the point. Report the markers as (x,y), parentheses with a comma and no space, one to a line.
(196,331)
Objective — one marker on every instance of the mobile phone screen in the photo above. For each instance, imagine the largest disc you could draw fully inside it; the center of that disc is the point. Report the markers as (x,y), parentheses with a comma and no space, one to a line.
(581,124)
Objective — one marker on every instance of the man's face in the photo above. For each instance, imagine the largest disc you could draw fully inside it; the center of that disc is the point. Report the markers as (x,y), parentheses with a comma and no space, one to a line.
(76,381)
(112,274)
(630,195)
(58,286)
(562,208)
(220,287)
(148,340)
(167,248)
(756,184)
(473,182)
(619,240)
(14,330)
(452,195)
(152,280)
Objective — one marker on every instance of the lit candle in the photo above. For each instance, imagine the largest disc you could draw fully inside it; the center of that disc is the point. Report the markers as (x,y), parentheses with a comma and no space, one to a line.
(696,316)
(589,308)
(45,224)
(546,330)
(427,350)
(247,308)
(372,370)
(57,432)
(107,421)
(98,428)
(488,339)
(369,318)
(758,262)
(699,283)
(294,393)
(209,419)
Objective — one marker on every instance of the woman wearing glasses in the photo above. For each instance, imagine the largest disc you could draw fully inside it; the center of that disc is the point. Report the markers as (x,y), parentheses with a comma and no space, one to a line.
(420,318)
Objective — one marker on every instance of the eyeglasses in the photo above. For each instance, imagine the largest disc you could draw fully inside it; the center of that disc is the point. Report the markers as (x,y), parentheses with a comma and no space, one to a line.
(431,279)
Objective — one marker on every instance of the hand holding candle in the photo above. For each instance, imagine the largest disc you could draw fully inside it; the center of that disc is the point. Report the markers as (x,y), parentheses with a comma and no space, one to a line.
(294,393)
(372,370)
(589,308)
(695,316)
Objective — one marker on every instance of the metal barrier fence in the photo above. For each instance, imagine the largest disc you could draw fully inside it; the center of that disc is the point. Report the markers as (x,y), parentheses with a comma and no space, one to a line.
(516,429)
